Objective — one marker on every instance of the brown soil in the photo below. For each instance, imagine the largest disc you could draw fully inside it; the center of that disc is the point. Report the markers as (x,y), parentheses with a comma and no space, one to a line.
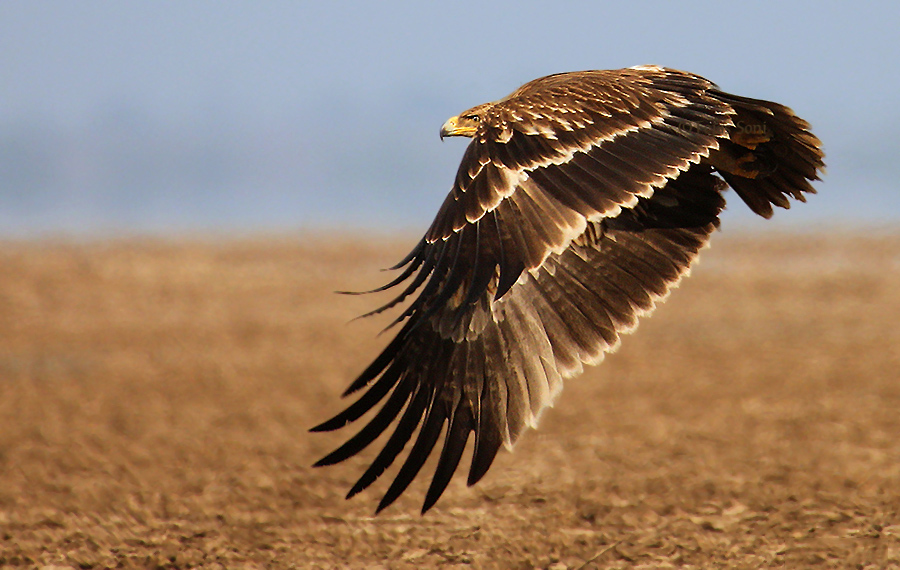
(155,399)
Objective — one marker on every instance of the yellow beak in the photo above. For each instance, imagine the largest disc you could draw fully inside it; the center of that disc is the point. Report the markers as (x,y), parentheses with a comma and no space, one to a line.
(448,129)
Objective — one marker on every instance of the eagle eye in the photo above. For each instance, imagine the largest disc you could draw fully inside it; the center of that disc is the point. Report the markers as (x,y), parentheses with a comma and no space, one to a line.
(475,118)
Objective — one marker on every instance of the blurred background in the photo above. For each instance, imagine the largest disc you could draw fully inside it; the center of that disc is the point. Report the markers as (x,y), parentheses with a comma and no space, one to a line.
(123,117)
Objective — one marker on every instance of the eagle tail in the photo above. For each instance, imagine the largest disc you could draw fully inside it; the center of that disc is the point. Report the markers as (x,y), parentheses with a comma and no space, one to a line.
(770,154)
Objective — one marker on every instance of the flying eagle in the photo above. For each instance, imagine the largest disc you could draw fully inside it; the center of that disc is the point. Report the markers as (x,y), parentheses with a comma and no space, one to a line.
(581,201)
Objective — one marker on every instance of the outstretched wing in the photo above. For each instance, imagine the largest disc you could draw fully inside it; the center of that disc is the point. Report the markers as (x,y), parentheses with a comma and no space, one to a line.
(580,202)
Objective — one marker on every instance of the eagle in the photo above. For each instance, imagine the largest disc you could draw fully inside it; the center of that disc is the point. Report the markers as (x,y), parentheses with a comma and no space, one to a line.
(581,201)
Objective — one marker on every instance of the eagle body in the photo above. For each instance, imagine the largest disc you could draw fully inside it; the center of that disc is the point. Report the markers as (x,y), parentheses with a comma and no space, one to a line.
(580,203)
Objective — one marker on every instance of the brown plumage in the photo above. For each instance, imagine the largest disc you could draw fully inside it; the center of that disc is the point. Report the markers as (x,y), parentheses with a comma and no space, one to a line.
(581,201)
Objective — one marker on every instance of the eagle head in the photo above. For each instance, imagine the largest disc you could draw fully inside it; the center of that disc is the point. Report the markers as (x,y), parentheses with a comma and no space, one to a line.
(465,124)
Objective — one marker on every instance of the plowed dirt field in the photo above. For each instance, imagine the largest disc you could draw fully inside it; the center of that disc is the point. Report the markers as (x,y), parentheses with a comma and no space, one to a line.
(156,396)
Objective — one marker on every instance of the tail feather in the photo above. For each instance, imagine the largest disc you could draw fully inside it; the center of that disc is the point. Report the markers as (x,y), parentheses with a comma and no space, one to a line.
(771,154)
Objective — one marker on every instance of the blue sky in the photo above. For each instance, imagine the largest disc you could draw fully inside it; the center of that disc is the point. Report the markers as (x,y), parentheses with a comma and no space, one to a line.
(164,117)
